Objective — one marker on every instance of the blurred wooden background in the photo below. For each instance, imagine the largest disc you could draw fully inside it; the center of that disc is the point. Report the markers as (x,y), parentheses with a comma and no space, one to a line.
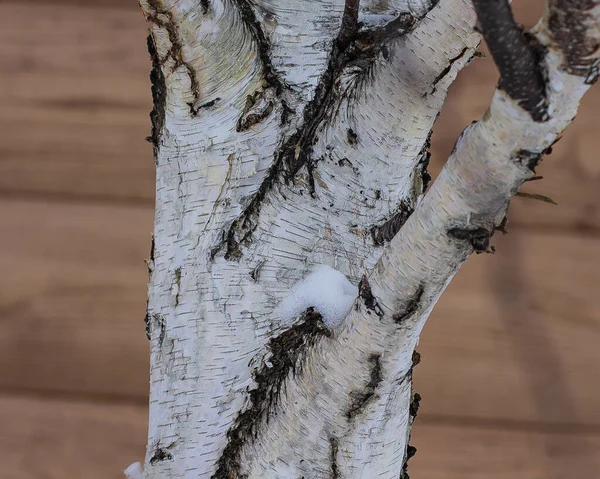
(510,376)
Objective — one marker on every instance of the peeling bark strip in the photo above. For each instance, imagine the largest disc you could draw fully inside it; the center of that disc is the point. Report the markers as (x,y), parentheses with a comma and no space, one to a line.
(159,100)
(287,351)
(516,57)
(360,399)
(410,308)
(570,22)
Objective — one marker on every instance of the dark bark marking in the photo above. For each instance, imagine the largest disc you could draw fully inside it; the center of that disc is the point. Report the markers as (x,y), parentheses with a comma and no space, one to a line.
(205,5)
(263,45)
(516,55)
(364,291)
(446,70)
(333,448)
(160,454)
(479,238)
(297,150)
(385,232)
(178,283)
(159,100)
(176,51)
(567,21)
(411,306)
(360,399)
(349,26)
(257,108)
(160,321)
(352,136)
(287,352)
(147,323)
(410,452)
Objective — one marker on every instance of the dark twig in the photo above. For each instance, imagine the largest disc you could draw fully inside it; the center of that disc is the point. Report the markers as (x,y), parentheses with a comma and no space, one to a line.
(516,57)
(349,24)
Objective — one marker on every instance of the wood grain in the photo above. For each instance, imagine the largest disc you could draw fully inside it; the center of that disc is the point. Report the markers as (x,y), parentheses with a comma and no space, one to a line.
(64,440)
(76,99)
(513,339)
(59,440)
(72,298)
(75,103)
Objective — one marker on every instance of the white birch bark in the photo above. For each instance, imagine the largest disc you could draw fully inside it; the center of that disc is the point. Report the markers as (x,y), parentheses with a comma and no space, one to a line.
(282,144)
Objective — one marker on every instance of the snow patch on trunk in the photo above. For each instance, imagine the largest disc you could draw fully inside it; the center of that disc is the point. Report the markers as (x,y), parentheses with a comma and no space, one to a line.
(326,290)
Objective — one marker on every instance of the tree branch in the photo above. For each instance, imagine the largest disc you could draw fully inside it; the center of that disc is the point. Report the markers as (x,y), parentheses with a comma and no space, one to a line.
(515,55)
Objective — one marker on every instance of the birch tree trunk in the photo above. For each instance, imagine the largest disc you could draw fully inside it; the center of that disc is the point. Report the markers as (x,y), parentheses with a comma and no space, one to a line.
(290,134)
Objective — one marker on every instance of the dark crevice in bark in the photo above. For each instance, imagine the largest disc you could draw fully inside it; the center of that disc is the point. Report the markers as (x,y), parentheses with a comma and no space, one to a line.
(205,5)
(333,448)
(568,22)
(359,399)
(287,352)
(297,150)
(160,454)
(164,19)
(478,238)
(516,56)
(159,99)
(446,70)
(385,232)
(349,26)
(263,44)
(369,299)
(410,307)
(412,416)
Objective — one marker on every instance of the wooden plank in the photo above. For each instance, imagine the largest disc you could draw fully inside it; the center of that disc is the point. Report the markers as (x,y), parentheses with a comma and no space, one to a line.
(515,335)
(72,298)
(69,440)
(43,439)
(76,98)
(513,339)
(73,123)
(452,452)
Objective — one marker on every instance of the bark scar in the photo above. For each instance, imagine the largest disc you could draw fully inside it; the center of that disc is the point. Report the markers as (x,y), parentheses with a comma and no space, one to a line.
(359,399)
(364,291)
(287,352)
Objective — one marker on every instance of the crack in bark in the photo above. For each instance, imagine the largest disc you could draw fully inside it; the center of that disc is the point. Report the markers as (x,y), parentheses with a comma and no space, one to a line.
(159,100)
(287,352)
(446,70)
(411,306)
(516,55)
(176,50)
(334,447)
(386,232)
(361,398)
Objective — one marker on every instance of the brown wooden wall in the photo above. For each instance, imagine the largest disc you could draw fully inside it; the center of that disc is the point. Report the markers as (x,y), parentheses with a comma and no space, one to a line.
(510,376)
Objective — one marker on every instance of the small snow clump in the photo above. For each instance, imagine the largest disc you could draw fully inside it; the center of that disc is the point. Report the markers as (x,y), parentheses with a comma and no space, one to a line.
(134,471)
(325,289)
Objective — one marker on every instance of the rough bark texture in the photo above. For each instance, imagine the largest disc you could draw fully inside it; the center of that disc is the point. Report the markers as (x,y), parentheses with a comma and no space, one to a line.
(289,134)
